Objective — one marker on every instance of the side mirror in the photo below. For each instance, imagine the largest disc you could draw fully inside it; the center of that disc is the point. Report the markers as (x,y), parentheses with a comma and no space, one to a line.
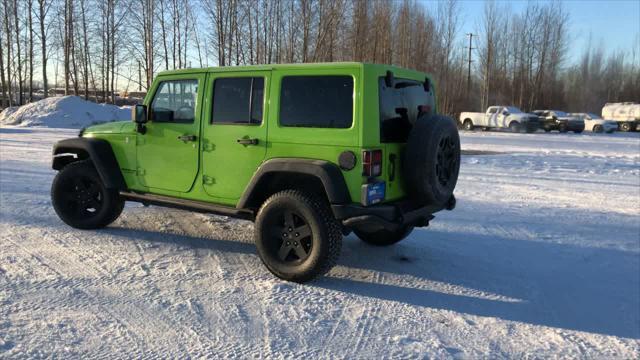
(139,114)
(140,117)
(505,113)
(389,80)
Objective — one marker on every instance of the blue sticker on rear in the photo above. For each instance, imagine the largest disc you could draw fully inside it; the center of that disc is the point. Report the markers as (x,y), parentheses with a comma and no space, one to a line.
(375,192)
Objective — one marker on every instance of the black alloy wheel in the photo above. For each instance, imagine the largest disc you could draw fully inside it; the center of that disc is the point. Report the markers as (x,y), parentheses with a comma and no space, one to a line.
(447,161)
(291,238)
(297,236)
(81,199)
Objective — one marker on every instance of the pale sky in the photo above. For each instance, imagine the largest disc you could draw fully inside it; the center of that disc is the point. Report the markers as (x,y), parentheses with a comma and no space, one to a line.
(612,24)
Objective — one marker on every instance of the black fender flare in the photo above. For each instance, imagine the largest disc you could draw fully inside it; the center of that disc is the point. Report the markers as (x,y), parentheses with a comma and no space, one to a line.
(328,173)
(98,151)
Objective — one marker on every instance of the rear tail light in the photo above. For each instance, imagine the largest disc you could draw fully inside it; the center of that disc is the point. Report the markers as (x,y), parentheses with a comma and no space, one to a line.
(372,163)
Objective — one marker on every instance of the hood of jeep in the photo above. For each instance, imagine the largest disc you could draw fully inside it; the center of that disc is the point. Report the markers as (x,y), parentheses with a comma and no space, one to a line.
(115,127)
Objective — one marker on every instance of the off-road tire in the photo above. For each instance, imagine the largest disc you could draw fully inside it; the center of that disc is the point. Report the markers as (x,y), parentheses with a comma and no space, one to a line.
(324,242)
(76,189)
(514,126)
(598,129)
(383,237)
(468,125)
(431,160)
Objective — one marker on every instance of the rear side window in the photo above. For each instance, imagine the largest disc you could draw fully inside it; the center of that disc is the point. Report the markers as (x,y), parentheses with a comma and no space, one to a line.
(175,101)
(238,100)
(317,101)
(400,107)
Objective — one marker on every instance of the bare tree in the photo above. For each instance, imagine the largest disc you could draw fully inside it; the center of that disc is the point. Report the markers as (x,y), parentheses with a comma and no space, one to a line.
(3,81)
(30,55)
(43,10)
(68,35)
(18,51)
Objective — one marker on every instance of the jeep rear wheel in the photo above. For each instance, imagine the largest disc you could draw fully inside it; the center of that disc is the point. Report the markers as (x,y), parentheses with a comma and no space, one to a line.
(432,160)
(383,237)
(297,236)
(80,198)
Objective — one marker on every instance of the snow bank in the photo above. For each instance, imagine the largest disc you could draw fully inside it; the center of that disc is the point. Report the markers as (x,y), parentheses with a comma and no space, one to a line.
(63,112)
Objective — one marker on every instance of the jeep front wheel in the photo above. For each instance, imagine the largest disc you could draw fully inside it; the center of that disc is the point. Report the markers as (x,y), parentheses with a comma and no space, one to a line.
(80,198)
(383,237)
(297,236)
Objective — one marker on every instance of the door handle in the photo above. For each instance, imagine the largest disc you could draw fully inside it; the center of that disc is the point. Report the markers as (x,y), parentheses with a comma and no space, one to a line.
(187,138)
(248,141)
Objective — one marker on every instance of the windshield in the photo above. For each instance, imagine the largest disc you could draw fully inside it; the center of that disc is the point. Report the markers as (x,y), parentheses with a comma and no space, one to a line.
(513,109)
(560,113)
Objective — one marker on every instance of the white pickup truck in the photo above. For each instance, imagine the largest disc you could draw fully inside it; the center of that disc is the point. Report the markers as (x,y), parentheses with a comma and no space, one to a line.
(508,117)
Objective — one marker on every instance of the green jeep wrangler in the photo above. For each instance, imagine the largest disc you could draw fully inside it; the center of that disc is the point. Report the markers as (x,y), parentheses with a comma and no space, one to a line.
(309,152)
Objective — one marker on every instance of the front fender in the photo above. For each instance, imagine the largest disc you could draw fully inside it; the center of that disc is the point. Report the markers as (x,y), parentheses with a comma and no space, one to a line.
(98,151)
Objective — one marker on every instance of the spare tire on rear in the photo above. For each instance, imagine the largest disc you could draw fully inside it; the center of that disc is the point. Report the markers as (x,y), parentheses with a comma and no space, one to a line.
(432,160)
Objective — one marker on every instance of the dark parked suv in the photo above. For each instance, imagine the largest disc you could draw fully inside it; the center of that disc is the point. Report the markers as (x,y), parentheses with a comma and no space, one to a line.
(559,120)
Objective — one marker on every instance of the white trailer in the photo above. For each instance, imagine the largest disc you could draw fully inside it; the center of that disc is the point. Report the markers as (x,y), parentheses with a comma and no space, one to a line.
(626,114)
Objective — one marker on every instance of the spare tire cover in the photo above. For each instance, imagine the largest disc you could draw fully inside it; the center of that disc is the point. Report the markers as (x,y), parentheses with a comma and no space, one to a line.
(431,161)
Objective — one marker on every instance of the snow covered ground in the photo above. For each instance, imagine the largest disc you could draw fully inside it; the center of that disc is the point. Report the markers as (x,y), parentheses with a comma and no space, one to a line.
(540,258)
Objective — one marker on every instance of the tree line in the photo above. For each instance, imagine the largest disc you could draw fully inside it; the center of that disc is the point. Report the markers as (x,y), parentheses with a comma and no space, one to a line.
(93,48)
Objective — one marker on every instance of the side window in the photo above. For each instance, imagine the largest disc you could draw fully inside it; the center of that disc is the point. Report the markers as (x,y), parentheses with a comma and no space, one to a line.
(317,101)
(493,110)
(175,101)
(238,100)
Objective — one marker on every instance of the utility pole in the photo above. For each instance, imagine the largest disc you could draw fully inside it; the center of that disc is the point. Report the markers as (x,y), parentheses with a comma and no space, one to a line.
(470,35)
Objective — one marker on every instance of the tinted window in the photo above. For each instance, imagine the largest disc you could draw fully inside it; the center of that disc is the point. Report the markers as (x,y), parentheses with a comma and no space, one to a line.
(238,100)
(317,101)
(400,107)
(175,101)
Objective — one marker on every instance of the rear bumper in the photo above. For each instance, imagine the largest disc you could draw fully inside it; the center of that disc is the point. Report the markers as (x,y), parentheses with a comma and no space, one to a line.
(388,216)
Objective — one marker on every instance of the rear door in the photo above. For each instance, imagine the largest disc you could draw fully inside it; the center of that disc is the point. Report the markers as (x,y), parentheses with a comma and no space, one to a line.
(235,132)
(167,153)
